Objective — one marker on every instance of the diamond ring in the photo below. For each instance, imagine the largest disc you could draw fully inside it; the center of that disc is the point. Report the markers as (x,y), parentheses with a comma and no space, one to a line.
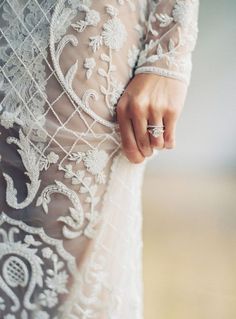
(156,130)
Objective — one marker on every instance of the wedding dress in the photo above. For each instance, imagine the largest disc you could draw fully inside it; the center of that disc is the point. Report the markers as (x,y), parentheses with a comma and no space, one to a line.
(70,201)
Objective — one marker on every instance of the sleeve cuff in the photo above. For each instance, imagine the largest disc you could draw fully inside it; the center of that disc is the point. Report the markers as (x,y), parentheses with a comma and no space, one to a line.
(163,72)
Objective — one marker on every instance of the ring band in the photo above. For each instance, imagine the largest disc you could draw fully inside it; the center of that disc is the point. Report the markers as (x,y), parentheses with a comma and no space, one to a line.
(161,126)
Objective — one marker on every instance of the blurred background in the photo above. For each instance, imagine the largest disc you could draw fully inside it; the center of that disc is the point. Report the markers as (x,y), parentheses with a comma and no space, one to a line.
(189,193)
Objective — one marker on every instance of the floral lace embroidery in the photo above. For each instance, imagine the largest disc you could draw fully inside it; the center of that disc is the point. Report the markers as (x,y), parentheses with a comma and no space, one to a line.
(27,255)
(94,161)
(89,64)
(29,160)
(168,53)
(23,102)
(111,37)
(57,117)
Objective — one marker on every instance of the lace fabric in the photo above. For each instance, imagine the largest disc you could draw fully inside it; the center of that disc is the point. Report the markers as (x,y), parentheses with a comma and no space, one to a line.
(170,38)
(70,203)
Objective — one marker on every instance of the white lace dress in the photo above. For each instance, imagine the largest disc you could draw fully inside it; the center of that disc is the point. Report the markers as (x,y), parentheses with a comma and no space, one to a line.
(70,208)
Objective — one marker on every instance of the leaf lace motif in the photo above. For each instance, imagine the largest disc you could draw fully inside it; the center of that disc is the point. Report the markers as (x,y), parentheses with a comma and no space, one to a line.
(27,254)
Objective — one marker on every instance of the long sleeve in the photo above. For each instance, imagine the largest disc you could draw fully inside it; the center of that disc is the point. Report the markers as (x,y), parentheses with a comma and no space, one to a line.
(170,38)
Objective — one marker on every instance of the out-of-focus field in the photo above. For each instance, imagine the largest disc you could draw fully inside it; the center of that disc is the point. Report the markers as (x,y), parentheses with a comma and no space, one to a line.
(190,218)
(189,246)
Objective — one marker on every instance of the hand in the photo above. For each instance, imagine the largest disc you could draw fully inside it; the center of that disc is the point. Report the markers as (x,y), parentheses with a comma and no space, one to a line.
(154,100)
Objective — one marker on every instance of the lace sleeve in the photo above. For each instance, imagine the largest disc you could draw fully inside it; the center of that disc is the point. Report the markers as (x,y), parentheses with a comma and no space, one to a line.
(170,38)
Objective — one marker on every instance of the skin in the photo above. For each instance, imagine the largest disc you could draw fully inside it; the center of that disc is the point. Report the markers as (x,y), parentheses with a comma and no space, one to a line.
(149,99)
